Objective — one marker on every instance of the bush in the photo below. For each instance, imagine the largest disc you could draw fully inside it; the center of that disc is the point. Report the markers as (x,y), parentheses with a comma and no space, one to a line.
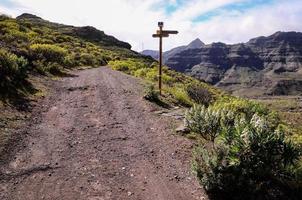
(203,121)
(48,52)
(40,67)
(12,68)
(141,72)
(151,94)
(180,95)
(199,94)
(54,68)
(152,75)
(239,105)
(241,154)
(128,66)
(88,60)
(70,61)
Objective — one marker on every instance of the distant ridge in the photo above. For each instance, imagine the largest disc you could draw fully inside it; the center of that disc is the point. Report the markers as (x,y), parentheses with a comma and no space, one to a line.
(263,65)
(28,16)
(197,43)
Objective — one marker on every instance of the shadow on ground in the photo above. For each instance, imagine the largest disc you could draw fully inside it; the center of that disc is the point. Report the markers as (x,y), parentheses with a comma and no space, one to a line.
(16,95)
(278,192)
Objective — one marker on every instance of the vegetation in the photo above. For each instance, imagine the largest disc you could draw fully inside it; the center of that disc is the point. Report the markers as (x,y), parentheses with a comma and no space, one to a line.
(289,111)
(151,93)
(52,48)
(242,153)
(199,94)
(12,68)
(177,87)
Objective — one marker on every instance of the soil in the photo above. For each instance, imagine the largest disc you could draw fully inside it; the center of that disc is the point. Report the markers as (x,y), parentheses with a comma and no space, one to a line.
(95,138)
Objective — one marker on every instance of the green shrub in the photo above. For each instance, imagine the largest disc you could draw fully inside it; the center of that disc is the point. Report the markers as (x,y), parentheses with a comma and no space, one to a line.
(70,61)
(199,94)
(240,105)
(141,72)
(88,60)
(168,80)
(241,153)
(152,75)
(203,121)
(120,66)
(17,36)
(129,66)
(40,66)
(180,95)
(48,52)
(151,94)
(12,68)
(54,68)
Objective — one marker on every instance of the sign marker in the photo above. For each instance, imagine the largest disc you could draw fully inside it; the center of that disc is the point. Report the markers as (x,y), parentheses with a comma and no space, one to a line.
(161,34)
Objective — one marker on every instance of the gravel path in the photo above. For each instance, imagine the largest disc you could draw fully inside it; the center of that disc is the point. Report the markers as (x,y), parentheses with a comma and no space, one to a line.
(96,139)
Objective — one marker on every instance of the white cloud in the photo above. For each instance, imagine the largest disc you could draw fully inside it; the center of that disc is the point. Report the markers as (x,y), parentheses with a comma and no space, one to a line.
(265,20)
(134,21)
(195,8)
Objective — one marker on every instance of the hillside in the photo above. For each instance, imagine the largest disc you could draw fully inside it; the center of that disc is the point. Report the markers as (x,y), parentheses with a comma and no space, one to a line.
(49,47)
(87,33)
(72,126)
(30,45)
(264,65)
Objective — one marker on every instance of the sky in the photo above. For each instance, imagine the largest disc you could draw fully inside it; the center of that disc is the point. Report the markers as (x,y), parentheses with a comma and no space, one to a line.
(134,21)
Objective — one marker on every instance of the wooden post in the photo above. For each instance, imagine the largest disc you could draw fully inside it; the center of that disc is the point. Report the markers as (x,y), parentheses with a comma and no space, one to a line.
(160,58)
(160,34)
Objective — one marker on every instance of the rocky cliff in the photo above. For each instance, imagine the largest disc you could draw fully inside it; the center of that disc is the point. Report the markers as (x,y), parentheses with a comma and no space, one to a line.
(264,65)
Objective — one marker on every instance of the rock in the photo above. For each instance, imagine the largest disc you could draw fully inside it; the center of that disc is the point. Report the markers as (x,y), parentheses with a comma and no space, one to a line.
(182,129)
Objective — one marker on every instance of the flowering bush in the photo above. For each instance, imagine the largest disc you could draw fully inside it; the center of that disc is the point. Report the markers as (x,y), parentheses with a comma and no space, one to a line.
(241,153)
(204,121)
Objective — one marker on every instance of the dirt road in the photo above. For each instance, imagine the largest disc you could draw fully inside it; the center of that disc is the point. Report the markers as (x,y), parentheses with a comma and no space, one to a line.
(96,139)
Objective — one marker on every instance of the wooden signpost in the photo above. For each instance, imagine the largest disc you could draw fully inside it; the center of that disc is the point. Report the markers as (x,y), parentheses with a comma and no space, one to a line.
(161,34)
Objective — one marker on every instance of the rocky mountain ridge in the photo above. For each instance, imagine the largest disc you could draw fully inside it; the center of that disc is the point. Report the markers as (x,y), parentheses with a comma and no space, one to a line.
(263,65)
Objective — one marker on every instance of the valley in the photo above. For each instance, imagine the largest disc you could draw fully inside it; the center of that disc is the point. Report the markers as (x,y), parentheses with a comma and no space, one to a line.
(263,66)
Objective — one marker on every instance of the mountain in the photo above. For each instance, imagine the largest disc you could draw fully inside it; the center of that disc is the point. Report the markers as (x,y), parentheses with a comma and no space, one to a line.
(152,53)
(197,43)
(263,65)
